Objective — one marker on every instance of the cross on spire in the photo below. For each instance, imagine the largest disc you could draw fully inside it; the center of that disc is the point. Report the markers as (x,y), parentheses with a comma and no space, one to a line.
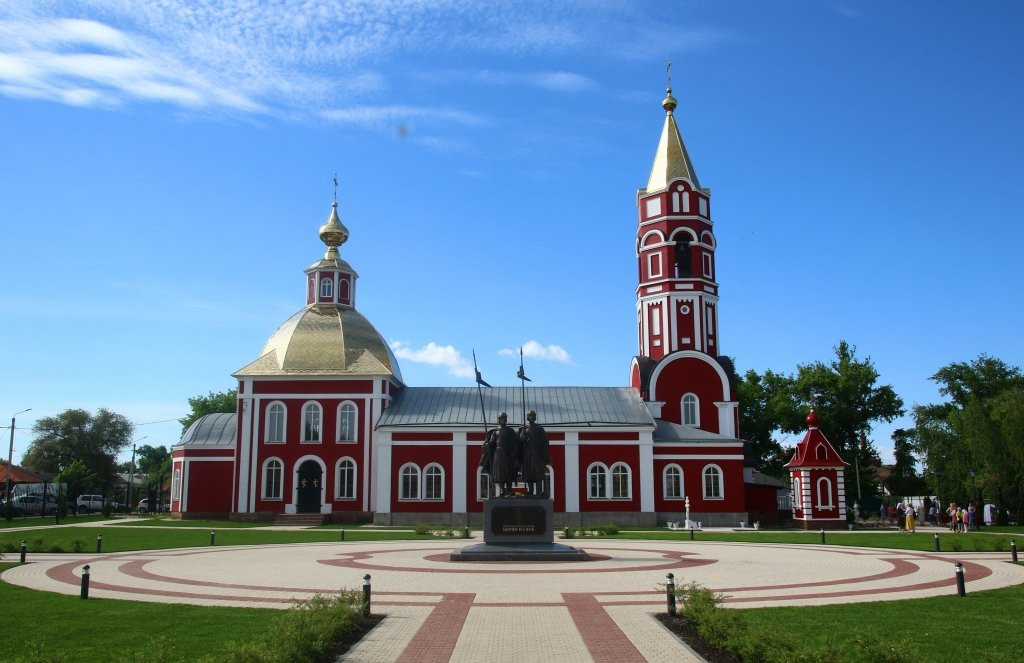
(335,188)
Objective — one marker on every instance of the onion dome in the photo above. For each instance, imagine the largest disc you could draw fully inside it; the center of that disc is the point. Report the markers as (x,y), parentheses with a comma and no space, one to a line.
(812,419)
(328,337)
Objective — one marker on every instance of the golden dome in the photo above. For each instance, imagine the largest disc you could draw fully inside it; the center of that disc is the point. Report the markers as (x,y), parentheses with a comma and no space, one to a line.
(325,341)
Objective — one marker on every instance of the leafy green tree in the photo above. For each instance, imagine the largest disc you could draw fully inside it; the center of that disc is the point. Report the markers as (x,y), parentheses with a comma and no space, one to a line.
(213,402)
(846,395)
(154,462)
(974,442)
(905,479)
(78,479)
(762,400)
(77,435)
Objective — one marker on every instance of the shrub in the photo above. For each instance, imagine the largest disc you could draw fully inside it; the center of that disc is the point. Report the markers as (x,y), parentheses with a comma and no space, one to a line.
(56,547)
(9,547)
(77,545)
(307,632)
(608,530)
(465,532)
(106,509)
(569,532)
(36,545)
(957,544)
(422,530)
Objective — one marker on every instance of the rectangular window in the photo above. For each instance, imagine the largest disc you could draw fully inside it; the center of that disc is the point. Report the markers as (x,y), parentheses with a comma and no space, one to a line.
(653,265)
(653,207)
(703,206)
(686,202)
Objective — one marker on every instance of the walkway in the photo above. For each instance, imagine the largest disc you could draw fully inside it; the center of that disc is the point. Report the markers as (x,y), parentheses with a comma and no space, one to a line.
(442,611)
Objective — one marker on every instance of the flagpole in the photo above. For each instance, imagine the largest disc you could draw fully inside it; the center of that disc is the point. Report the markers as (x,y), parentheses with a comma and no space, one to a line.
(522,382)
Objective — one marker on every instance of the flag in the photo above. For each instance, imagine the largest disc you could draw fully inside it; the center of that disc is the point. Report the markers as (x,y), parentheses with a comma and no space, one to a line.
(522,373)
(479,378)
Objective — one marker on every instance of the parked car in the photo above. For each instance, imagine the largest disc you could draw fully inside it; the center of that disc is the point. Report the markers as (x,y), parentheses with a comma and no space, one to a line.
(34,505)
(144,507)
(89,503)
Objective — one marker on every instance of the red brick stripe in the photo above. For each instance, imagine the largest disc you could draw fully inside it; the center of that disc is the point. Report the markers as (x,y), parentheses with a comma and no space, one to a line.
(604,639)
(435,640)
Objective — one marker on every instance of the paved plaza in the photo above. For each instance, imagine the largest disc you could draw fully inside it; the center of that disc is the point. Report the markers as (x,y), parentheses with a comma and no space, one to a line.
(438,610)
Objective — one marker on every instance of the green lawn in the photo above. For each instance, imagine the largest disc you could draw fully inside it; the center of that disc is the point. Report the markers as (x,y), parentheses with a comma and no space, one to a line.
(42,626)
(120,539)
(37,521)
(982,626)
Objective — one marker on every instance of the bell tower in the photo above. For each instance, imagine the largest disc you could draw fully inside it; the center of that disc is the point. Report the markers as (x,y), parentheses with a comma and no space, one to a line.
(677,368)
(677,293)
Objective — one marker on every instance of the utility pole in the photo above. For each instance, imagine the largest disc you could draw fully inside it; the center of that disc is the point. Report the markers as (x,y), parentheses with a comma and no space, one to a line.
(131,478)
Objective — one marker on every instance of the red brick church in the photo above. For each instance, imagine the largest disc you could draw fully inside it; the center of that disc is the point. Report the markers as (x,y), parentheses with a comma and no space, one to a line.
(326,425)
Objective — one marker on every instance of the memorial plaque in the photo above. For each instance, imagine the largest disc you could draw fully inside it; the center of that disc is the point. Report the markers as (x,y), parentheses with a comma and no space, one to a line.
(518,520)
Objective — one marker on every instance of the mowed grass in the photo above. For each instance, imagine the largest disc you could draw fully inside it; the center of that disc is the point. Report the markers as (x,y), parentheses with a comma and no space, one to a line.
(920,541)
(37,521)
(42,626)
(982,626)
(121,539)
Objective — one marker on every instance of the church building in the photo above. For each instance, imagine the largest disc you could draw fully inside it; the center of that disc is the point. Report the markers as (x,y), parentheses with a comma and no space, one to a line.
(326,425)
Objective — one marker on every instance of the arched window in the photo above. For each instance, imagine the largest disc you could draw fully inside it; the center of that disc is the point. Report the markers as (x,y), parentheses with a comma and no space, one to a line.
(824,493)
(483,484)
(347,422)
(672,482)
(621,483)
(598,481)
(345,479)
(273,473)
(409,482)
(820,452)
(798,497)
(326,287)
(712,476)
(311,415)
(176,484)
(683,259)
(433,482)
(690,411)
(343,290)
(549,479)
(275,426)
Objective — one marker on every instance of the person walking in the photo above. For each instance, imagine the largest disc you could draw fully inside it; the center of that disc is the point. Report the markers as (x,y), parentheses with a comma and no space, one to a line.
(911,519)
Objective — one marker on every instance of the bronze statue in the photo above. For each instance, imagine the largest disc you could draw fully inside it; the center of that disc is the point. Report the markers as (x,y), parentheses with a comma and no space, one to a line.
(501,451)
(533,442)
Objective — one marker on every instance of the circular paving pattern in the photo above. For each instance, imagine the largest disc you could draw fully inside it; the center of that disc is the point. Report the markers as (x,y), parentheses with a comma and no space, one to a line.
(451,609)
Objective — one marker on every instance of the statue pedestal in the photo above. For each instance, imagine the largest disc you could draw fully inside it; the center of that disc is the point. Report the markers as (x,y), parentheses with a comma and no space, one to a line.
(518,529)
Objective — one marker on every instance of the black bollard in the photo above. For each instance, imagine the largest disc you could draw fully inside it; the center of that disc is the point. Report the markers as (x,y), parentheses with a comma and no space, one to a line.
(823,535)
(961,590)
(213,537)
(937,543)
(366,595)
(24,549)
(1013,550)
(342,533)
(99,543)
(670,593)
(85,581)
(691,533)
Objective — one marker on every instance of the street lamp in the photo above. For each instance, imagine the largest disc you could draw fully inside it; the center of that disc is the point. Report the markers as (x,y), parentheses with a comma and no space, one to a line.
(10,464)
(60,470)
(131,475)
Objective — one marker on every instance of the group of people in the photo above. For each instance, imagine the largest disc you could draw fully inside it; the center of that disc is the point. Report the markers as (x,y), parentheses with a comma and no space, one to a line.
(508,454)
(962,519)
(904,515)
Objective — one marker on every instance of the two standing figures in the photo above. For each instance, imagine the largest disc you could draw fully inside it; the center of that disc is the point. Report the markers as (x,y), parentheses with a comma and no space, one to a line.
(507,455)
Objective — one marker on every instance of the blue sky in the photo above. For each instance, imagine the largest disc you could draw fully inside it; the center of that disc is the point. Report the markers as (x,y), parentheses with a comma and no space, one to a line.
(165,167)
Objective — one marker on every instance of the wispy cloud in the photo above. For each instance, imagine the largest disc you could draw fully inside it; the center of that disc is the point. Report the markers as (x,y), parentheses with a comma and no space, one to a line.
(555,81)
(388,116)
(535,350)
(435,355)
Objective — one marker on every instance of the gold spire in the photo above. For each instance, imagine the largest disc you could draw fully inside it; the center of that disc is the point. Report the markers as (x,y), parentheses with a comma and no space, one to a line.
(671,159)
(333,233)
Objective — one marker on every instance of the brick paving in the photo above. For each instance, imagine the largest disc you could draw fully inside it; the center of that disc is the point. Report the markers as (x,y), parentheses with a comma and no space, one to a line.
(442,611)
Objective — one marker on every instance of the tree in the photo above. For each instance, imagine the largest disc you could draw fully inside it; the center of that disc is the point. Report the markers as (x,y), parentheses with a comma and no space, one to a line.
(762,399)
(975,440)
(154,462)
(848,401)
(221,401)
(77,478)
(904,479)
(77,435)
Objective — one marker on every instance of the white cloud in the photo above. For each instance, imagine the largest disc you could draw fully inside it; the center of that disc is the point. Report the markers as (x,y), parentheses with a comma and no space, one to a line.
(535,350)
(378,116)
(435,355)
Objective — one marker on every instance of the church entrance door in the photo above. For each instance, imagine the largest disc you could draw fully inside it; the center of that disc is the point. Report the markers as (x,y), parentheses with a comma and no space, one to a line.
(310,481)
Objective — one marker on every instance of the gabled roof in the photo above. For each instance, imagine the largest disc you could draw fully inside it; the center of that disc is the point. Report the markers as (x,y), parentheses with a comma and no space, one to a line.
(20,475)
(596,407)
(815,450)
